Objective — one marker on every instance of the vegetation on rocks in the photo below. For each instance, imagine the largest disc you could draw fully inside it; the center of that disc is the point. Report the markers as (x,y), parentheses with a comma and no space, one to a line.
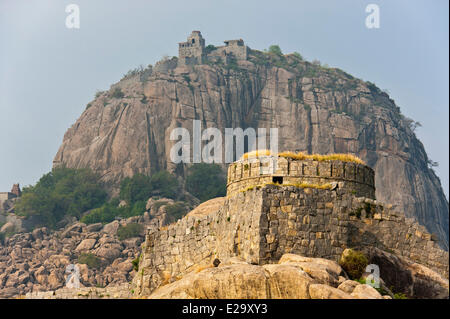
(354,263)
(135,263)
(206,181)
(275,49)
(129,231)
(60,193)
(303,156)
(135,191)
(209,48)
(140,187)
(90,260)
(321,158)
(117,93)
(176,211)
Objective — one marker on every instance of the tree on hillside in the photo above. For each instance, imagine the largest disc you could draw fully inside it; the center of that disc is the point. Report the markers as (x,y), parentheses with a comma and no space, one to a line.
(275,49)
(206,181)
(62,192)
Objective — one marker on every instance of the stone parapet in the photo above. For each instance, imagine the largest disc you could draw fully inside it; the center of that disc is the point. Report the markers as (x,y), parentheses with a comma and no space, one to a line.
(355,178)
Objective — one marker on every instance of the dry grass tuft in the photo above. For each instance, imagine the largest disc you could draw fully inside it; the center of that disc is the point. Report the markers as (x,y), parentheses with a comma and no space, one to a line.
(321,158)
(302,156)
(203,267)
(318,186)
(166,278)
(256,153)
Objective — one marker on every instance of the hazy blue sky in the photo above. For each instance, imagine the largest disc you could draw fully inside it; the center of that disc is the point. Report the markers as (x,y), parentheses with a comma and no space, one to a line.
(48,73)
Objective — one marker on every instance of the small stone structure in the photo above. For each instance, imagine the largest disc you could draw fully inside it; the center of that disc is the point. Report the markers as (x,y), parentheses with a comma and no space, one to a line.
(6,196)
(262,222)
(233,50)
(193,51)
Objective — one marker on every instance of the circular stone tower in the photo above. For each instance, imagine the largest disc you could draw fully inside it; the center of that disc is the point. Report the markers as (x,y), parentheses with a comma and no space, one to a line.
(353,177)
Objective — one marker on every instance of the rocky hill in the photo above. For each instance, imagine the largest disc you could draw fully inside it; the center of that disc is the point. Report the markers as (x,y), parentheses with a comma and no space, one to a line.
(317,110)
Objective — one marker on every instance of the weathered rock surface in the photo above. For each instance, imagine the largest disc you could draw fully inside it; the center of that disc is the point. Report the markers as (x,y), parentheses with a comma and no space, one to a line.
(37,261)
(205,208)
(293,277)
(317,110)
(410,278)
(116,292)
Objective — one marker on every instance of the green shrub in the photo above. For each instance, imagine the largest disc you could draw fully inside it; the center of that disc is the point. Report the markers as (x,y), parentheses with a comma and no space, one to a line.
(2,238)
(105,214)
(165,184)
(117,93)
(136,188)
(400,295)
(109,211)
(175,211)
(135,263)
(206,181)
(297,55)
(129,231)
(158,204)
(209,48)
(90,260)
(275,49)
(354,263)
(137,209)
(140,187)
(60,193)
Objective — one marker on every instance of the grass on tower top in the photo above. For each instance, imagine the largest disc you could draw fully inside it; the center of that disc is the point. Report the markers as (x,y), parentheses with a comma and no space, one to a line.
(256,153)
(302,156)
(321,158)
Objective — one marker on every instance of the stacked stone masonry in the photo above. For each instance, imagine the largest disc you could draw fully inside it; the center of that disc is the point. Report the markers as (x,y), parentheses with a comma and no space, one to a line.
(355,178)
(261,224)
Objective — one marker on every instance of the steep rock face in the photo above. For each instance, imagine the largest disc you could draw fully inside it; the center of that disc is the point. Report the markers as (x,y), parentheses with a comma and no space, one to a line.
(316,109)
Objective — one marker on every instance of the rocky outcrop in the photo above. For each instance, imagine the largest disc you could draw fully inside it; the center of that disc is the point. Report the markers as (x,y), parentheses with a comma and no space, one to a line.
(294,277)
(115,292)
(205,208)
(317,110)
(35,263)
(412,279)
(38,261)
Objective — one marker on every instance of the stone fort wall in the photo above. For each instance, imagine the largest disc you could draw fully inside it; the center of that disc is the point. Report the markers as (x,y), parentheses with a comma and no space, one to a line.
(261,224)
(196,241)
(354,178)
(322,223)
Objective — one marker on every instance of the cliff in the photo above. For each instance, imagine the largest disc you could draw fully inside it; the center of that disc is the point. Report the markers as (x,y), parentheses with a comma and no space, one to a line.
(317,110)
